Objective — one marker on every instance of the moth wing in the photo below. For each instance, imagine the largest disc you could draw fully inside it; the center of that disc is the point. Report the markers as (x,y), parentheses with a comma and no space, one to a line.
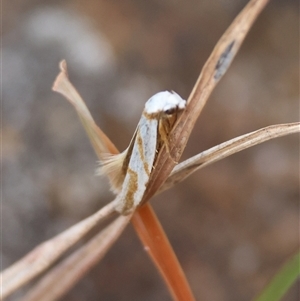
(140,166)
(115,166)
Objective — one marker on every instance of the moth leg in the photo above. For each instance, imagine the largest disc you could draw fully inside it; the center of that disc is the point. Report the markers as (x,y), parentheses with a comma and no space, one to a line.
(164,130)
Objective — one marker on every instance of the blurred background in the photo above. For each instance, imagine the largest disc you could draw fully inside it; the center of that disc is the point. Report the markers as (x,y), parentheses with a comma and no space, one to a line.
(232,224)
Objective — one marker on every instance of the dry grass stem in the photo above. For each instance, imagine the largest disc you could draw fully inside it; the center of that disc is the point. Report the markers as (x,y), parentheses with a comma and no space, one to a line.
(228,148)
(61,278)
(101,143)
(44,255)
(215,67)
(160,250)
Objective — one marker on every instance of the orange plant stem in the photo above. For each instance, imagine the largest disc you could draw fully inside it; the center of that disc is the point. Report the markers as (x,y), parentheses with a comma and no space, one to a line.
(155,241)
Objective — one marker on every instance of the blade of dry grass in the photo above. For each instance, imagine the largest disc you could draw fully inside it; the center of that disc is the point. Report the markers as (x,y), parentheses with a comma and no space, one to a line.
(213,70)
(159,249)
(61,278)
(228,148)
(101,143)
(40,258)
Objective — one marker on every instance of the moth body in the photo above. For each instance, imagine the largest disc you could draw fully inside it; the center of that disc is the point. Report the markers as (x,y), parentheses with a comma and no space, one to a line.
(158,118)
(163,102)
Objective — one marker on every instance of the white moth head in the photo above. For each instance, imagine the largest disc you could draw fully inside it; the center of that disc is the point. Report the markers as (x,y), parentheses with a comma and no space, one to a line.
(164,102)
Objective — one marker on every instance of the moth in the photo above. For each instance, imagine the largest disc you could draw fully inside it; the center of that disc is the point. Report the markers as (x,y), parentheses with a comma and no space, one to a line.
(130,170)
